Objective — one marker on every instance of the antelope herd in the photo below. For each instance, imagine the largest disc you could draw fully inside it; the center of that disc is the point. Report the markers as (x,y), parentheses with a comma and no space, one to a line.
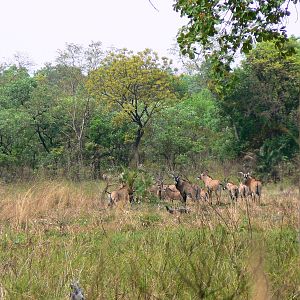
(183,190)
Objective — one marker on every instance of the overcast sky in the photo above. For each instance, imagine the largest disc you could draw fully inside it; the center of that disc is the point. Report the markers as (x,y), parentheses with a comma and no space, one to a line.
(38,28)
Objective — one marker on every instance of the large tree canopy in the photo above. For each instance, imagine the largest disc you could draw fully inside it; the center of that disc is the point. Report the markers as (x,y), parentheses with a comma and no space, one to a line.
(261,100)
(223,27)
(135,85)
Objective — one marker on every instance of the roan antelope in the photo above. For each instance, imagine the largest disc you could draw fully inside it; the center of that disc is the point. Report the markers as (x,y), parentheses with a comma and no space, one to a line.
(254,185)
(203,195)
(169,193)
(156,189)
(212,185)
(243,191)
(186,189)
(233,189)
(123,195)
(162,191)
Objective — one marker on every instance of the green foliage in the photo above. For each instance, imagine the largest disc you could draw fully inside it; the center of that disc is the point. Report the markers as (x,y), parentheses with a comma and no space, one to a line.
(16,87)
(142,184)
(191,129)
(16,133)
(261,100)
(150,219)
(136,87)
(223,27)
(129,176)
(137,110)
(111,140)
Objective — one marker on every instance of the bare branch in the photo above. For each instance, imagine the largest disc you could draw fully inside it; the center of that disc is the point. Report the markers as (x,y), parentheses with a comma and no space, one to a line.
(153,5)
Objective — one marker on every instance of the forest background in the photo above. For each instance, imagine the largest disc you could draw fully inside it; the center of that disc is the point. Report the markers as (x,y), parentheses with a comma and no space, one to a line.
(96,110)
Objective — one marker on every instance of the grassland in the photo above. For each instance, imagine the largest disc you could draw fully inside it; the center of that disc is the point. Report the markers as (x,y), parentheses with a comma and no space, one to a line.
(54,232)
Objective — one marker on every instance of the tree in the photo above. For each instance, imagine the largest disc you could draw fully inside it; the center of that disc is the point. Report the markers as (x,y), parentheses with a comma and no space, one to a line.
(223,27)
(78,57)
(137,86)
(262,99)
(108,140)
(189,133)
(74,63)
(16,133)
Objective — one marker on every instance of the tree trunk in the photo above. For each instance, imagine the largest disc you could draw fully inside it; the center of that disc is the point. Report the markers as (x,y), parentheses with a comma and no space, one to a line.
(135,158)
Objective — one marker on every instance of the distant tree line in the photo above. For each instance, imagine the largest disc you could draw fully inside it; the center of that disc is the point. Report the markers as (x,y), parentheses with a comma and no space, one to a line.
(95,110)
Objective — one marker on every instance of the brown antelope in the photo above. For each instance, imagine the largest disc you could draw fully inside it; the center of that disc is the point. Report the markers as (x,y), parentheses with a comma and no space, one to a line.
(212,186)
(186,189)
(156,189)
(203,195)
(243,191)
(123,195)
(255,186)
(172,187)
(169,194)
(233,189)
(195,192)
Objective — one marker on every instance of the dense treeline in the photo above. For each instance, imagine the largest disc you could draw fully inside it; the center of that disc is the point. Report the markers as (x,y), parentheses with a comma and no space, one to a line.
(95,110)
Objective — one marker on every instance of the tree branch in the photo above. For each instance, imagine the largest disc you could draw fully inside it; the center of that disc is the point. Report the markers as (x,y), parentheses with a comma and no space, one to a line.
(153,5)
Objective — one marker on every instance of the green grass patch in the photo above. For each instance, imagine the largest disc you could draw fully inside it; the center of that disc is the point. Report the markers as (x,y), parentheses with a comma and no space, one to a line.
(155,262)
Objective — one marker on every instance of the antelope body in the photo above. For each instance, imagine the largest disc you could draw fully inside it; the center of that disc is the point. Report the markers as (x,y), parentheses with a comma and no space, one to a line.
(254,185)
(186,189)
(172,187)
(243,191)
(162,191)
(203,195)
(212,186)
(123,195)
(233,190)
(169,193)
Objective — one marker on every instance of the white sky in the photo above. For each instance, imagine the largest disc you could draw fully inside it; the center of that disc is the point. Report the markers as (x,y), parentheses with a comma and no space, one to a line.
(38,28)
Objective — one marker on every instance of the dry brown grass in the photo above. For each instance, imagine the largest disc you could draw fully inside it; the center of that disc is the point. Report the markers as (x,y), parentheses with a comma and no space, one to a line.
(47,199)
(59,201)
(63,210)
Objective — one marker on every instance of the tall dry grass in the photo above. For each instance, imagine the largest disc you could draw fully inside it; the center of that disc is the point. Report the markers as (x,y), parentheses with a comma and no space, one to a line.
(55,231)
(22,203)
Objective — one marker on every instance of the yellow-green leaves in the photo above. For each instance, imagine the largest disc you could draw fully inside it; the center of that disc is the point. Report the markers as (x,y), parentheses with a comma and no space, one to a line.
(135,85)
